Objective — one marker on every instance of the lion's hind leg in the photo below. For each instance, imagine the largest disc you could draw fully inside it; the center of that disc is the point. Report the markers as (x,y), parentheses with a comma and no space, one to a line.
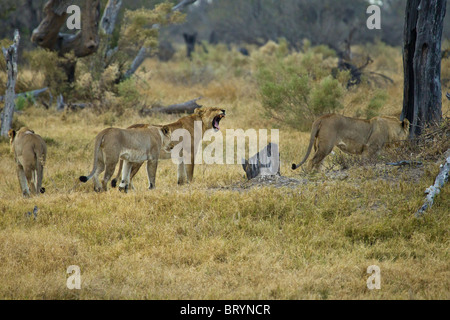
(109,171)
(100,168)
(23,181)
(323,149)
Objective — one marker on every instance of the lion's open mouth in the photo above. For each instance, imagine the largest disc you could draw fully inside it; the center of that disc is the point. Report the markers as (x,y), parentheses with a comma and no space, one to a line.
(216,121)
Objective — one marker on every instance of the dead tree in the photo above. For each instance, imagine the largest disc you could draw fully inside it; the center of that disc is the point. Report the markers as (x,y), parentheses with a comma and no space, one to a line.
(83,43)
(422,63)
(11,68)
(435,189)
(190,40)
(108,23)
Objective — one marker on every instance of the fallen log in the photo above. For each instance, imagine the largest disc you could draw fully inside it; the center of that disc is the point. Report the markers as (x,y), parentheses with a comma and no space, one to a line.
(404,163)
(61,105)
(435,189)
(33,93)
(185,107)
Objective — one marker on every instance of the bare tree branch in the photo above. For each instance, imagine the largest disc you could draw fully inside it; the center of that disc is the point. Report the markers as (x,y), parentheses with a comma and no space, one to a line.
(183,4)
(435,189)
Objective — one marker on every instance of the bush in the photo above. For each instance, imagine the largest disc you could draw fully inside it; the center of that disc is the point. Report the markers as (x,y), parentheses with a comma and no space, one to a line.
(297,88)
(375,104)
(128,92)
(49,64)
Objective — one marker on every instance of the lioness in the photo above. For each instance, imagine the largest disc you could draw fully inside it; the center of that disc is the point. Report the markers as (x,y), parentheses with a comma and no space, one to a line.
(354,136)
(131,145)
(210,118)
(30,153)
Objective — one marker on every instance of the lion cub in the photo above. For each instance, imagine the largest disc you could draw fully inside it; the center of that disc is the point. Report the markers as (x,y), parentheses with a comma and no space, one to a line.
(130,145)
(30,153)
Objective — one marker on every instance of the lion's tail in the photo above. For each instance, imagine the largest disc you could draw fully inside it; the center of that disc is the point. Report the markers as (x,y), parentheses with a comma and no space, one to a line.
(314,132)
(98,142)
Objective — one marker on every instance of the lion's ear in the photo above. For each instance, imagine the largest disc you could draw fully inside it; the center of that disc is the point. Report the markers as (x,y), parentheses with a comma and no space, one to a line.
(11,134)
(165,130)
(199,111)
(405,124)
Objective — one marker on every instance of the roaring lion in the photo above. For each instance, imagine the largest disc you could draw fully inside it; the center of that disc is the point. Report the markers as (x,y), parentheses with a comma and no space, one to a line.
(353,136)
(30,153)
(129,145)
(210,118)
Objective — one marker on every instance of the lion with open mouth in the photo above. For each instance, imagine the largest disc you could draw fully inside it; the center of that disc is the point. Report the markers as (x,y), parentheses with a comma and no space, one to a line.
(210,118)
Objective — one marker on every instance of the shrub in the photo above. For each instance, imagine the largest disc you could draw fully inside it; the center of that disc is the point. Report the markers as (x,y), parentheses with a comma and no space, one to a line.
(49,64)
(375,104)
(127,92)
(297,88)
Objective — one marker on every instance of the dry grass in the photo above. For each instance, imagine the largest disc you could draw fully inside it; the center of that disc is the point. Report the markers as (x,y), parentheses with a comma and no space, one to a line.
(205,241)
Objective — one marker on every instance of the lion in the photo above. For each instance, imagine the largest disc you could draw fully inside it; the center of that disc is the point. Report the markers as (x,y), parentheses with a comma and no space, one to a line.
(30,154)
(129,145)
(210,118)
(353,136)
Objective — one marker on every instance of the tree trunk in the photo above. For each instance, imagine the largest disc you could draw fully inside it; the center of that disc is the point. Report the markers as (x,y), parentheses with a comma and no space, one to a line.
(422,64)
(109,18)
(83,43)
(11,68)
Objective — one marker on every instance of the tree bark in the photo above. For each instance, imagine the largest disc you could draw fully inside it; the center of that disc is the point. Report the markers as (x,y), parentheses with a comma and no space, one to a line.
(83,43)
(11,68)
(109,17)
(183,4)
(422,63)
(435,189)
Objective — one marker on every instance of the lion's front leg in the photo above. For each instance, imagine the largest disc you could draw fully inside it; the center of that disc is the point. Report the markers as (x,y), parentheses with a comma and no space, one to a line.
(152,165)
(181,175)
(126,171)
(190,172)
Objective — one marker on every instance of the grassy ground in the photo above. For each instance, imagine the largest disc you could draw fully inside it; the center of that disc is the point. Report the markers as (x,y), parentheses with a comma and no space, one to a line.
(212,239)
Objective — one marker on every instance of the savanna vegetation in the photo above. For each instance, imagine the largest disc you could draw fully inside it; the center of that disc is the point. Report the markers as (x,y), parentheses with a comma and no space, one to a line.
(221,237)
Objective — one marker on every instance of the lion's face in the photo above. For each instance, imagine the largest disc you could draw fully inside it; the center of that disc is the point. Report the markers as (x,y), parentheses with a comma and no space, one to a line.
(397,130)
(211,117)
(167,143)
